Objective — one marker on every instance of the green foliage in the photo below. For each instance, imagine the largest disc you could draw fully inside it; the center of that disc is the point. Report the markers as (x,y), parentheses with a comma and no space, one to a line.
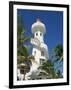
(21,38)
(22,49)
(58,53)
(48,67)
(59,74)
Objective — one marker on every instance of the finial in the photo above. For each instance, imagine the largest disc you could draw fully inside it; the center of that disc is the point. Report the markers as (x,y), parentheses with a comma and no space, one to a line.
(38,19)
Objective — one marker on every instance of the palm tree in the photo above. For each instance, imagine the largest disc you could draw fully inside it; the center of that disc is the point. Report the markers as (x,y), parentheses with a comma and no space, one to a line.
(47,68)
(58,56)
(59,74)
(21,38)
(24,61)
(58,53)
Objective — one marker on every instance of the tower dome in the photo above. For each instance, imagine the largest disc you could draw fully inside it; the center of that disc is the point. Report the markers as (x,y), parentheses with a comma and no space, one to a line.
(38,26)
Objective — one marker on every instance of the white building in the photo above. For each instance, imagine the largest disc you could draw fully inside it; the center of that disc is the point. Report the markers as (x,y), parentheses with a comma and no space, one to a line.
(40,49)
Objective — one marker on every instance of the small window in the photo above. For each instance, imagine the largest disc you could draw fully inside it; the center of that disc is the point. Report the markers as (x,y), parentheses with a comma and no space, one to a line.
(41,61)
(36,34)
(34,52)
(40,34)
(42,53)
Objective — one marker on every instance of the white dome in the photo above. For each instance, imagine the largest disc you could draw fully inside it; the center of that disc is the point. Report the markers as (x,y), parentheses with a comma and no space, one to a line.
(38,25)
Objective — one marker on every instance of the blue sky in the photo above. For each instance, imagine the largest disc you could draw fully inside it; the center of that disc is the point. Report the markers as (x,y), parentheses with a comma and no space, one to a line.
(53,21)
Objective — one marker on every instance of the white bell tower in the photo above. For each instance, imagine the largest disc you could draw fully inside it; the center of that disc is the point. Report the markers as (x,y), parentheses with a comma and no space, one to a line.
(40,49)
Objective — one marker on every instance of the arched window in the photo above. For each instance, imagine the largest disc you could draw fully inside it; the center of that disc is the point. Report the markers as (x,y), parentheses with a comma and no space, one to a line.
(42,53)
(40,34)
(34,52)
(41,61)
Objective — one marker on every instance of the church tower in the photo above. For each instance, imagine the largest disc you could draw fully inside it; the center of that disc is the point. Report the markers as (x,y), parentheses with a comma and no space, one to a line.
(40,49)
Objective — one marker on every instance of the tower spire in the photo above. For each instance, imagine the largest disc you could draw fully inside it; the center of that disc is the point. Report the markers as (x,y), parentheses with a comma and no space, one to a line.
(38,19)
